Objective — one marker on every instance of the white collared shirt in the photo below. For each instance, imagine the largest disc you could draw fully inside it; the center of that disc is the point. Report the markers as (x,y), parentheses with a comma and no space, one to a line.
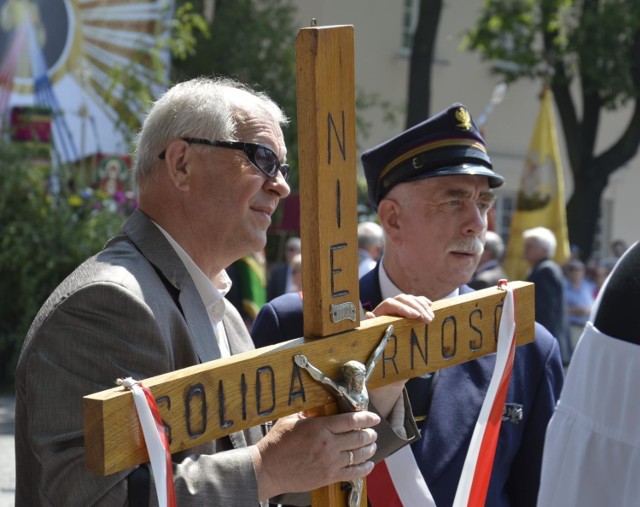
(211,292)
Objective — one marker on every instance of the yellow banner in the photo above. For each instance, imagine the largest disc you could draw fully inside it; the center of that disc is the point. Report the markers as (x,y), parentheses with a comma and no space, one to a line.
(541,199)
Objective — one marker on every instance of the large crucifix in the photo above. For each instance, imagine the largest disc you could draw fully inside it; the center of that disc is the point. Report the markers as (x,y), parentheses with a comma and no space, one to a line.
(208,401)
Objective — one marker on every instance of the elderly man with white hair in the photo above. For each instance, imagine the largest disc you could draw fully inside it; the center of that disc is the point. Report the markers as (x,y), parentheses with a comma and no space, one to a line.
(539,249)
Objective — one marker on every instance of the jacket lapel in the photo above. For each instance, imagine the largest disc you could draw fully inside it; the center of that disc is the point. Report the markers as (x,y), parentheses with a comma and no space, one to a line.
(237,334)
(448,434)
(159,252)
(202,335)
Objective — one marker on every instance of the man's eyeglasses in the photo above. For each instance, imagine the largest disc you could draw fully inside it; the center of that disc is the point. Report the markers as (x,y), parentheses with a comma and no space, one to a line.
(260,156)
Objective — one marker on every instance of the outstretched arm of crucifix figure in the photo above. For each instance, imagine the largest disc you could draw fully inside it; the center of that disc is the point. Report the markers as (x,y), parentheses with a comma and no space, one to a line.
(303,362)
(375,355)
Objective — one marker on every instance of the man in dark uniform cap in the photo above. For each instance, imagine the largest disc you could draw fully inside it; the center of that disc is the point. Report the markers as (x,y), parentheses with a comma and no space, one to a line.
(432,187)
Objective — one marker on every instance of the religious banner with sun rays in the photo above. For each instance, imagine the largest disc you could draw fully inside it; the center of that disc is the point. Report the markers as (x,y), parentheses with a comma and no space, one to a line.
(61,54)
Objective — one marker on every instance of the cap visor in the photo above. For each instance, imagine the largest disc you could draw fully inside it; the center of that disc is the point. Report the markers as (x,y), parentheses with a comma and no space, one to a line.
(495,180)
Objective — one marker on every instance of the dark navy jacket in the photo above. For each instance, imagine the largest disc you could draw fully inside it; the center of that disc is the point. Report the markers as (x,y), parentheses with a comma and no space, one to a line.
(536,383)
(551,310)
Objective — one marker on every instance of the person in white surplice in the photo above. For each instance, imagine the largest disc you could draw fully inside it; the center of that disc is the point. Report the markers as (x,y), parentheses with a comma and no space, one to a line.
(592,449)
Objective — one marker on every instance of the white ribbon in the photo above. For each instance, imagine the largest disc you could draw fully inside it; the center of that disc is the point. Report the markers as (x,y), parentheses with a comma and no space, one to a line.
(159,455)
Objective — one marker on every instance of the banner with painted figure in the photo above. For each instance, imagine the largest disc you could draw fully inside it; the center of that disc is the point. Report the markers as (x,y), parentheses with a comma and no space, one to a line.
(541,199)
(59,54)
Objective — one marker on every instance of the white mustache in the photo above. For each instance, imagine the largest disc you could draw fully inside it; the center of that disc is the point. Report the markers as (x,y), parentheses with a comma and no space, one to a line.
(473,246)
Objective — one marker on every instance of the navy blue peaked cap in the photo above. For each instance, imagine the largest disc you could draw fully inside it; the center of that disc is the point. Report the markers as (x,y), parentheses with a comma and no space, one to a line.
(446,144)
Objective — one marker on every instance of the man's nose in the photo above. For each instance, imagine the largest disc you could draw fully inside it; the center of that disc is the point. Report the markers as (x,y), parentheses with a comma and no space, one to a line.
(278,185)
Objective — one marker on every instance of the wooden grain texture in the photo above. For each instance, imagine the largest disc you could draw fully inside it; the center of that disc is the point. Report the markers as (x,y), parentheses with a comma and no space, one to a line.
(207,401)
(327,159)
(328,181)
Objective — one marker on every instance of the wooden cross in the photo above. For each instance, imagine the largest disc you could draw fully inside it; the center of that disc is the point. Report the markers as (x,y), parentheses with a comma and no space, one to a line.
(208,401)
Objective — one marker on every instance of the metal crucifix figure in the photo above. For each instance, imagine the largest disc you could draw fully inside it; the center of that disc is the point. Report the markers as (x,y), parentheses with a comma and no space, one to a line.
(351,392)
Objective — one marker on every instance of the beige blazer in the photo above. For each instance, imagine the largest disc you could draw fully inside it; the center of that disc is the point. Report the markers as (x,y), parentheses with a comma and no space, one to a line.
(132,310)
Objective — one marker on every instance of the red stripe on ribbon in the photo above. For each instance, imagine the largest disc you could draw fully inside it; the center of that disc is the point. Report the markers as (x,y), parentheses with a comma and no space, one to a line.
(381,491)
(151,401)
(482,476)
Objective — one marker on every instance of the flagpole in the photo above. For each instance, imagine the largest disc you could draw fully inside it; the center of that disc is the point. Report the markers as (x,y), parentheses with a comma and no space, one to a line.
(496,97)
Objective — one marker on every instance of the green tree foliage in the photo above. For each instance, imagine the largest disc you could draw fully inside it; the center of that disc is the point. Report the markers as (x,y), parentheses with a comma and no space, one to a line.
(42,239)
(588,51)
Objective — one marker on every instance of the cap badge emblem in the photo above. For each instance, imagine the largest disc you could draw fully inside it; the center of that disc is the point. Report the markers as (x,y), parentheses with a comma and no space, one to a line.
(464,118)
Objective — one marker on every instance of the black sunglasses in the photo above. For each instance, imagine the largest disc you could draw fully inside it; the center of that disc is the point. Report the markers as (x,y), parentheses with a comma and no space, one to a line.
(260,156)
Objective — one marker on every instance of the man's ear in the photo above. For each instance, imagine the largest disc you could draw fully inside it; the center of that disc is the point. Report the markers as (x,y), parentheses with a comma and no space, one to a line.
(389,213)
(176,158)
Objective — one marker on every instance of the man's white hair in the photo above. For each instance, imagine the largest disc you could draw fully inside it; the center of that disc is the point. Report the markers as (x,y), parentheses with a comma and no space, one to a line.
(370,234)
(544,237)
(211,108)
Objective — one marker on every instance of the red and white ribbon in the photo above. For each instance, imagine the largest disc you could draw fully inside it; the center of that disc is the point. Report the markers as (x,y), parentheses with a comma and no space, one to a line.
(476,472)
(156,441)
(397,481)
